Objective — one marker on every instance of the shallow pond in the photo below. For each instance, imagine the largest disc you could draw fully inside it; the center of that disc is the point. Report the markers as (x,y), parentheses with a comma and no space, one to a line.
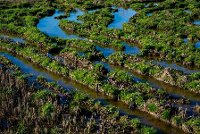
(105,51)
(147,5)
(196,22)
(185,40)
(50,26)
(92,10)
(149,14)
(73,16)
(197,45)
(155,4)
(121,16)
(188,11)
(130,50)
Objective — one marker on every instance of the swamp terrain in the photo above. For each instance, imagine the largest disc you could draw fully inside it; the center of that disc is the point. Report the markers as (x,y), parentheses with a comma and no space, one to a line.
(100,66)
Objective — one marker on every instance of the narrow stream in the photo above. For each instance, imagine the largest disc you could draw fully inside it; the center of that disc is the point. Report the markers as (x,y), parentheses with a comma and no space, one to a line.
(12,39)
(30,68)
(175,67)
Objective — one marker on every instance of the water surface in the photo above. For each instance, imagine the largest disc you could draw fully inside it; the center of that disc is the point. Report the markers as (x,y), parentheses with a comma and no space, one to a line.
(188,11)
(196,22)
(50,26)
(130,50)
(105,51)
(121,16)
(73,16)
(155,4)
(185,40)
(149,14)
(175,67)
(197,45)
(92,10)
(147,5)
(13,39)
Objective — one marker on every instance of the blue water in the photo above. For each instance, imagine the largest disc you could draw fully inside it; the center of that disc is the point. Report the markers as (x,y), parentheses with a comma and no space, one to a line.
(147,5)
(28,69)
(14,39)
(18,40)
(105,51)
(175,67)
(130,50)
(74,15)
(81,54)
(155,4)
(185,40)
(149,14)
(196,22)
(188,11)
(50,26)
(197,45)
(120,17)
(92,10)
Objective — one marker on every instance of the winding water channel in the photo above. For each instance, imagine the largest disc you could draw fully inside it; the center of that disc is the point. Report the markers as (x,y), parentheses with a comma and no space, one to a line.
(50,26)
